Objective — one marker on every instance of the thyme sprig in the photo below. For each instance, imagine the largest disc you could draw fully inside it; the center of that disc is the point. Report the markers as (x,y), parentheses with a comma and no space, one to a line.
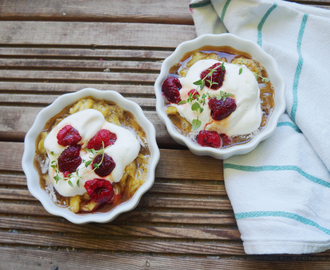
(196,101)
(256,74)
(93,153)
(263,79)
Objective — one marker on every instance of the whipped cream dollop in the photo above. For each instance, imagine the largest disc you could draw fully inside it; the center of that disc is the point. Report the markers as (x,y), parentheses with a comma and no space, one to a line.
(244,88)
(88,122)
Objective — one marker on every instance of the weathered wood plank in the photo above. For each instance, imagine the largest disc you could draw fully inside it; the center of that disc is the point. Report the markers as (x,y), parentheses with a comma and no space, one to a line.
(48,99)
(178,188)
(170,11)
(134,216)
(84,53)
(173,164)
(105,77)
(79,64)
(62,88)
(99,34)
(13,180)
(46,225)
(129,245)
(33,258)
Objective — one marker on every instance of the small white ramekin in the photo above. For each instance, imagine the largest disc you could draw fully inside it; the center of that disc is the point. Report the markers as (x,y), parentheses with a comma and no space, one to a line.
(241,45)
(59,104)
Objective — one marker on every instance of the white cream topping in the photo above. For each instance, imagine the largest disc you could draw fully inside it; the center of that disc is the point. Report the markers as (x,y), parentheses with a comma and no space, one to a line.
(88,123)
(247,116)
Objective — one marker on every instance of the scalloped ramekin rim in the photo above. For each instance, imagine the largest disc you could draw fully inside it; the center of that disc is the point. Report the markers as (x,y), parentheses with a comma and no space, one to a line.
(242,45)
(29,152)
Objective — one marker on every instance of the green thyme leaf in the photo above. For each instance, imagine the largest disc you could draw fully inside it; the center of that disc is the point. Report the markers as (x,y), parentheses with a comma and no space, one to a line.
(70,183)
(223,66)
(196,124)
(195,106)
(57,178)
(199,82)
(223,95)
(78,184)
(265,80)
(52,153)
(95,165)
(201,109)
(53,166)
(88,163)
(240,71)
(182,102)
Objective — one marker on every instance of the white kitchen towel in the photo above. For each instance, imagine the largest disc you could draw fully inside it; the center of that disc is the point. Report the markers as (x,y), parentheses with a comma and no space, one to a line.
(280,192)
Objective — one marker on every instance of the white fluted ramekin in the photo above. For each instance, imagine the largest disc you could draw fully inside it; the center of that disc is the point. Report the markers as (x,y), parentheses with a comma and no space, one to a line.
(241,45)
(53,109)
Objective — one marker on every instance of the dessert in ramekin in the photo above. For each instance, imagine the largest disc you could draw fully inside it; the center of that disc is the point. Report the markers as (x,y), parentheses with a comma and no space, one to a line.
(220,95)
(94,156)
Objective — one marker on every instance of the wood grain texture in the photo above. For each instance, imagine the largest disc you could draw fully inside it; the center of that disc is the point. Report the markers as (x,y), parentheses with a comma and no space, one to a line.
(99,34)
(47,225)
(34,258)
(93,53)
(137,215)
(170,12)
(105,77)
(122,244)
(63,88)
(97,65)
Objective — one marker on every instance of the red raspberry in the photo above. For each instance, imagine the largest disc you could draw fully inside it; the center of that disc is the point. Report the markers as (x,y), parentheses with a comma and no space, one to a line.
(106,166)
(193,93)
(221,109)
(217,76)
(70,159)
(225,139)
(68,136)
(170,89)
(99,190)
(103,135)
(209,138)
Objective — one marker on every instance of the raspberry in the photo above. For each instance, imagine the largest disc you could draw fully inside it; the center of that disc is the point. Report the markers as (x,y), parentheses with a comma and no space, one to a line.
(225,139)
(68,136)
(217,76)
(193,93)
(220,109)
(106,166)
(99,190)
(103,135)
(70,159)
(209,138)
(170,89)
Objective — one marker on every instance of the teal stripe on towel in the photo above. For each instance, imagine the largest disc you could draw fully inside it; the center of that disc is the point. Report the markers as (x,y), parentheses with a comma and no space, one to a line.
(289,125)
(200,4)
(277,168)
(262,22)
(298,69)
(293,216)
(223,13)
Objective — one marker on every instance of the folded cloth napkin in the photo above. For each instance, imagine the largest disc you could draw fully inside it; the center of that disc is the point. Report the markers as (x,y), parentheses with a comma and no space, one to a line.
(280,192)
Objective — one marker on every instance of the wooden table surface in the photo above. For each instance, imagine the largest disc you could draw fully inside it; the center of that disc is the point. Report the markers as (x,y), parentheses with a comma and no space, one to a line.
(48,48)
